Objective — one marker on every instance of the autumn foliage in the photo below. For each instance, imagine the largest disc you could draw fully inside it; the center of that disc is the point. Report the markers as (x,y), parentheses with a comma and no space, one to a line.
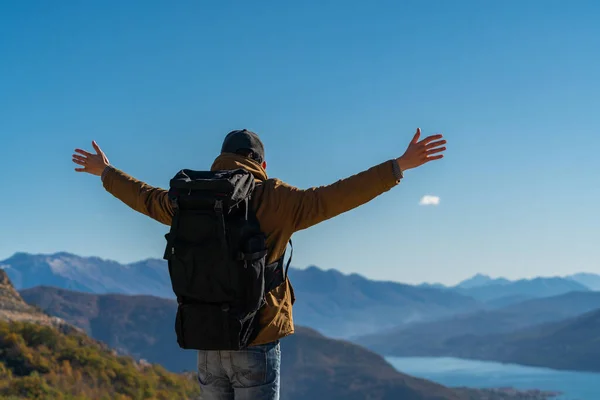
(40,362)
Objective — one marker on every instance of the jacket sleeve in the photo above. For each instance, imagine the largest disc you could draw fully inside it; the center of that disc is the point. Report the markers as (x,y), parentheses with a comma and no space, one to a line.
(305,208)
(141,197)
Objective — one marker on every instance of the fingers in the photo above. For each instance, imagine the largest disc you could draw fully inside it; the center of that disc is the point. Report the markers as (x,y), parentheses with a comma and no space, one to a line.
(432,158)
(435,144)
(417,136)
(431,138)
(435,151)
(421,152)
(89,162)
(96,147)
(85,153)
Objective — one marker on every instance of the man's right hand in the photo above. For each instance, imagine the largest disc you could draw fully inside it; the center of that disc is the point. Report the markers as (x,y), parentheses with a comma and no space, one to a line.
(421,152)
(92,163)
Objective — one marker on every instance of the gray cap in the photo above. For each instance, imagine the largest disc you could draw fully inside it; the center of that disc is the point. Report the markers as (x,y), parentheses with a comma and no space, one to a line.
(244,139)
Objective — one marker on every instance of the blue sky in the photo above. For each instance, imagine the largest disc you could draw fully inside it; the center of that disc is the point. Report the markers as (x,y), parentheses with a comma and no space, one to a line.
(332,88)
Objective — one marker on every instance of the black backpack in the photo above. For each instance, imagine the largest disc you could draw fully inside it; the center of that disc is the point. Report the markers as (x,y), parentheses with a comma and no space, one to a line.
(216,254)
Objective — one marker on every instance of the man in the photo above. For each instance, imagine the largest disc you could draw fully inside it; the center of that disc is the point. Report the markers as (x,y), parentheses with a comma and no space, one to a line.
(281,210)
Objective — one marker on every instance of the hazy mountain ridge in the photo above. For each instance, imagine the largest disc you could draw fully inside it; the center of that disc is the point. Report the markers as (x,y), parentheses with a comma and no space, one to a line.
(587,279)
(590,280)
(436,338)
(88,274)
(481,280)
(500,292)
(342,305)
(532,288)
(572,344)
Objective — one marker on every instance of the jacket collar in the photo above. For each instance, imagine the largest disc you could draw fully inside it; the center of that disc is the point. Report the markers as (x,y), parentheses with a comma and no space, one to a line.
(228,161)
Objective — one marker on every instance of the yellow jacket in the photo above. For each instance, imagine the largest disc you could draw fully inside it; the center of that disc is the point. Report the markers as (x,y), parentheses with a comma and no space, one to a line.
(281,210)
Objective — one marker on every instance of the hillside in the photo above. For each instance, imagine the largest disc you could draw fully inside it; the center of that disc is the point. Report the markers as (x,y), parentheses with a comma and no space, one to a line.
(142,326)
(13,308)
(573,344)
(43,357)
(320,368)
(435,338)
(335,304)
(39,362)
(313,366)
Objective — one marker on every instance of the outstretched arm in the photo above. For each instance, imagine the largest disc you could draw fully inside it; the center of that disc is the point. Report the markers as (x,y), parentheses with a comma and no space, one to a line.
(309,207)
(141,197)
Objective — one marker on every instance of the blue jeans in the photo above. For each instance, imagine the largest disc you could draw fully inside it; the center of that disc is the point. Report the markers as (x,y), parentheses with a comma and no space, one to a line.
(250,374)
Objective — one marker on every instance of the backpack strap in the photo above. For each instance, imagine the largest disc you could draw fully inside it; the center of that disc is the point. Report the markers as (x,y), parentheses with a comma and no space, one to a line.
(287,267)
(170,236)
(222,229)
(275,273)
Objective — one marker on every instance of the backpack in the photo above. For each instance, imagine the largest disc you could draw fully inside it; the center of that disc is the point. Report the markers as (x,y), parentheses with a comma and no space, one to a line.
(216,255)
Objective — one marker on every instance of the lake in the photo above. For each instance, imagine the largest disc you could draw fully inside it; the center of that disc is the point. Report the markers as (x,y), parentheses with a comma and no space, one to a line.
(483,374)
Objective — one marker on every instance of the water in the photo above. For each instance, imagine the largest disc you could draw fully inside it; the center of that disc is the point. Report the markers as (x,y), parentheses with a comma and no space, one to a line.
(482,374)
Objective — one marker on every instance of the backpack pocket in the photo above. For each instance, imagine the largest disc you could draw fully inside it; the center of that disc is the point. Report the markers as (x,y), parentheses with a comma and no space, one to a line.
(201,326)
(199,274)
(254,255)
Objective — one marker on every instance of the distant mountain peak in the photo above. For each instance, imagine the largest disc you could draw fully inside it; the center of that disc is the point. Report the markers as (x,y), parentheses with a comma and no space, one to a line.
(588,279)
(500,292)
(89,274)
(20,255)
(475,281)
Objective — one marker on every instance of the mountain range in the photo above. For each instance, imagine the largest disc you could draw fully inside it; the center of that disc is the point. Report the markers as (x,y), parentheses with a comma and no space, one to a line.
(501,292)
(437,338)
(88,274)
(592,281)
(388,317)
(141,325)
(572,344)
(479,280)
(343,306)
(589,280)
(335,304)
(313,365)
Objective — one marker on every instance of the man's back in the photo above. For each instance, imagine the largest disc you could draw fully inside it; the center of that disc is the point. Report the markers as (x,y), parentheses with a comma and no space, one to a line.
(281,211)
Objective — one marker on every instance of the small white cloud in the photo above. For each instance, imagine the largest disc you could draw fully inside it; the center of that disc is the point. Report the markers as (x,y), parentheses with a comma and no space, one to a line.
(428,200)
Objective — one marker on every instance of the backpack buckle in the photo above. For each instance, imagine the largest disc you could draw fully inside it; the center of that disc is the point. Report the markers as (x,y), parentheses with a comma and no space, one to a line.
(219,206)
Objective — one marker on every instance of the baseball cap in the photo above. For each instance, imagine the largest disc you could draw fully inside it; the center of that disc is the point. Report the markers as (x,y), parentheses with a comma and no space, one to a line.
(244,139)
